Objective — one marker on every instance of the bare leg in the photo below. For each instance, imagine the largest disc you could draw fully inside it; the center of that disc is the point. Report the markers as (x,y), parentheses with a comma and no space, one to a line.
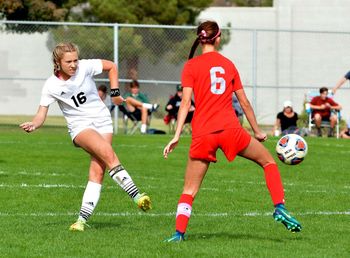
(333,120)
(195,172)
(132,104)
(318,120)
(98,146)
(257,153)
(144,115)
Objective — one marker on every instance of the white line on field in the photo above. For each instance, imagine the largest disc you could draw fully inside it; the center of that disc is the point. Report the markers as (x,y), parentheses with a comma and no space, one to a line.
(168,214)
(209,189)
(150,178)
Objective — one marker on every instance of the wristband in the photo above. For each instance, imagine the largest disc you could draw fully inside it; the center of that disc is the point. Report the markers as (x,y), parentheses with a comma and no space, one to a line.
(115,93)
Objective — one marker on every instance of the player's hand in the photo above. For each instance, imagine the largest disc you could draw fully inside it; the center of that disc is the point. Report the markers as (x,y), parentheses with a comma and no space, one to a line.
(118,100)
(28,127)
(261,137)
(170,147)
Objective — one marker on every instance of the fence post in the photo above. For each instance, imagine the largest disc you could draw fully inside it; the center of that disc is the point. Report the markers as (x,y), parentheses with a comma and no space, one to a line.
(115,48)
(254,70)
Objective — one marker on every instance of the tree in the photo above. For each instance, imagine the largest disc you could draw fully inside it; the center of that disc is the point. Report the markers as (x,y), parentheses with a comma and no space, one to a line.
(168,12)
(34,10)
(95,40)
(252,3)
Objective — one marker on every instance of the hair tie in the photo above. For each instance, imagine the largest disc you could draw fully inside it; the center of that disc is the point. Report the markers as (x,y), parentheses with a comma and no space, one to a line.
(203,33)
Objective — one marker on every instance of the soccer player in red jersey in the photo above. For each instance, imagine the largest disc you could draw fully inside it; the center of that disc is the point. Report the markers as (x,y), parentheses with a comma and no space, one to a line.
(212,78)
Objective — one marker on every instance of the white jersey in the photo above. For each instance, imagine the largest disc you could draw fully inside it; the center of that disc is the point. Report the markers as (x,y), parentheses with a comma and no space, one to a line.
(77,97)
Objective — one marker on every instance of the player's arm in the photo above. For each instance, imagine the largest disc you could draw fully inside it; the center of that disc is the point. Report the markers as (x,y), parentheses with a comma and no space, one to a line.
(38,120)
(339,84)
(181,117)
(249,113)
(112,70)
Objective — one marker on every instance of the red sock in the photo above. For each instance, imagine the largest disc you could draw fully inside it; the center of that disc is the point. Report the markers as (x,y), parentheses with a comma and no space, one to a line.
(184,208)
(274,183)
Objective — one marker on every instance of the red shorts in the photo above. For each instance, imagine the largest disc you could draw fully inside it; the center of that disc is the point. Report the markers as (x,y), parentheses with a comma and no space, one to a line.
(230,141)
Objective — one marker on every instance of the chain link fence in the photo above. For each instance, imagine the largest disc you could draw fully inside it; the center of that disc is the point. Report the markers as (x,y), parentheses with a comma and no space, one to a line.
(275,65)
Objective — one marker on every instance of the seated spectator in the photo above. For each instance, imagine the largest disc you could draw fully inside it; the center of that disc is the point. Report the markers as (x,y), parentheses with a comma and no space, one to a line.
(346,132)
(138,104)
(172,107)
(238,109)
(102,92)
(321,111)
(286,121)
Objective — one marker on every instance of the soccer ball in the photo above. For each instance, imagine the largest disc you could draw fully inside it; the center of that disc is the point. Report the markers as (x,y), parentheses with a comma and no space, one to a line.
(291,149)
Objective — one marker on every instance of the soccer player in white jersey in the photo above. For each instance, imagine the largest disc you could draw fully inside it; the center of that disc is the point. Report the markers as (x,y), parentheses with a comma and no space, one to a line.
(89,122)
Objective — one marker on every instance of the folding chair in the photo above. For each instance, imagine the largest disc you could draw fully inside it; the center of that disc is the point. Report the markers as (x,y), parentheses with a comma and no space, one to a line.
(127,115)
(171,122)
(135,121)
(309,96)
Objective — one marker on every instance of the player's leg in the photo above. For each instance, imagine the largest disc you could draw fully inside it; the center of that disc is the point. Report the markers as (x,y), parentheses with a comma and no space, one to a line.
(100,147)
(132,104)
(91,194)
(259,154)
(195,172)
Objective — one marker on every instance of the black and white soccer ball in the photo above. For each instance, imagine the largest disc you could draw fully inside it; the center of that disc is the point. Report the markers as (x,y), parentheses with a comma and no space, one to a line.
(291,149)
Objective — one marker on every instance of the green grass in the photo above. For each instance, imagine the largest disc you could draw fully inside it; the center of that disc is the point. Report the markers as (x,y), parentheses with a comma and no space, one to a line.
(42,179)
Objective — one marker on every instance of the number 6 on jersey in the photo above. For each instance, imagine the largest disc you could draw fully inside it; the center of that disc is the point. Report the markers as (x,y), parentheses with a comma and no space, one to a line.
(218,84)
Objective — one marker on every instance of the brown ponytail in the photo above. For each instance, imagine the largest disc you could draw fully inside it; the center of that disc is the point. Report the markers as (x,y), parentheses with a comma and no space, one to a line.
(207,32)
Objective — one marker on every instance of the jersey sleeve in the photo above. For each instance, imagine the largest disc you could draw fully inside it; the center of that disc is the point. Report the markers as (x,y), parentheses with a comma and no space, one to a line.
(332,102)
(46,98)
(187,79)
(92,66)
(314,101)
(279,115)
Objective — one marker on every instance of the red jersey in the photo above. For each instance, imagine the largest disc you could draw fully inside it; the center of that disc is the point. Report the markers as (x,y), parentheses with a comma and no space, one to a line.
(213,78)
(317,101)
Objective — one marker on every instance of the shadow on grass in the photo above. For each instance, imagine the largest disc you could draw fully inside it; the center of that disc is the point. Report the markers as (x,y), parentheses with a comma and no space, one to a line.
(243,236)
(103,225)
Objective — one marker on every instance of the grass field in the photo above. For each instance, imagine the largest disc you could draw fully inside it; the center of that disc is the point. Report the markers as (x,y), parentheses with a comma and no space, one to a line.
(42,179)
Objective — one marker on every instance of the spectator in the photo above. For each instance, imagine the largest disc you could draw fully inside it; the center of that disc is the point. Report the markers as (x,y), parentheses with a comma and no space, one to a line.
(238,109)
(138,104)
(172,107)
(321,111)
(102,92)
(286,121)
(346,132)
(341,82)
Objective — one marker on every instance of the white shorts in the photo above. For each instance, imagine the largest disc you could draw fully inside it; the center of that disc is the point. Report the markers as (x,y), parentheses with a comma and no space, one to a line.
(102,125)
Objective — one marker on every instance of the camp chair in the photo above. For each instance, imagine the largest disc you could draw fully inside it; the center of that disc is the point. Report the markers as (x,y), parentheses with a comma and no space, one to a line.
(308,97)
(135,121)
(171,122)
